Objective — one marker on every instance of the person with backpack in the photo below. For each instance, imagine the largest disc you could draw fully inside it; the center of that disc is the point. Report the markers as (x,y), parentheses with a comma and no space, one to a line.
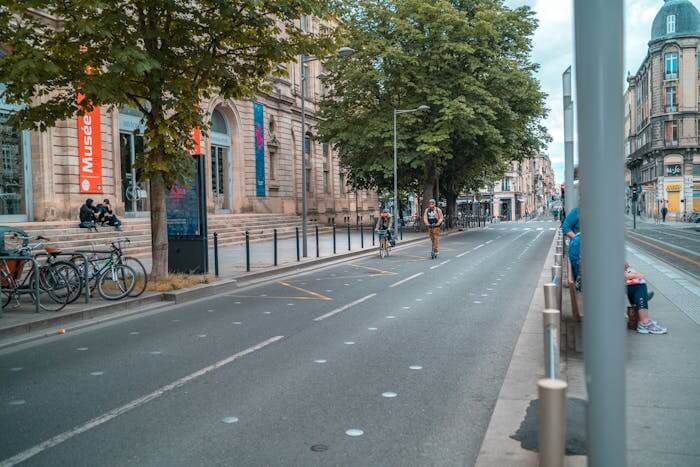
(433,219)
(88,215)
(105,215)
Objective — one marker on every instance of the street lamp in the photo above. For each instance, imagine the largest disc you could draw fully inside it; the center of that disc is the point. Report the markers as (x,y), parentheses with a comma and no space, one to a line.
(422,108)
(343,52)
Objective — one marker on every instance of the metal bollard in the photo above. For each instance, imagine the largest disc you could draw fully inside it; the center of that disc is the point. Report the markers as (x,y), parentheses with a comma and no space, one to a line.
(372,237)
(551,421)
(298,255)
(348,236)
(401,232)
(317,251)
(216,254)
(550,328)
(550,295)
(334,238)
(362,236)
(557,259)
(557,278)
(247,251)
(274,243)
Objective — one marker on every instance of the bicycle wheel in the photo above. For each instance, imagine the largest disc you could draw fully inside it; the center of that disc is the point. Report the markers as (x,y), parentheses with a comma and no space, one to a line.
(54,288)
(116,282)
(141,274)
(71,273)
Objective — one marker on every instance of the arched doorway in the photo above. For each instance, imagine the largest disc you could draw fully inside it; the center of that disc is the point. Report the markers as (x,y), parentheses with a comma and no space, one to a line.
(221,180)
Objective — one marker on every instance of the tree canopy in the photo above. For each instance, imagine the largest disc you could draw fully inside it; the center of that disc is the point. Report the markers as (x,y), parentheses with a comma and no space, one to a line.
(468,60)
(163,57)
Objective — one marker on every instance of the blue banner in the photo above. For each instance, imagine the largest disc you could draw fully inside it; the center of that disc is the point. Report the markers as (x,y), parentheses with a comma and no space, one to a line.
(259,149)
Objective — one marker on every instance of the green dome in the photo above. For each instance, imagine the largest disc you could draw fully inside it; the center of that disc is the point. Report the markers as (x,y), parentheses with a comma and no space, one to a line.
(686,21)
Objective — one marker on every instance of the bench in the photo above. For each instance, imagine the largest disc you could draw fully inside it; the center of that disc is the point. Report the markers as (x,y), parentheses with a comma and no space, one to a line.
(574,295)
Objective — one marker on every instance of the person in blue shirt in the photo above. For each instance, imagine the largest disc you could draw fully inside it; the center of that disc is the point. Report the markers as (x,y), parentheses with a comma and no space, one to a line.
(572,231)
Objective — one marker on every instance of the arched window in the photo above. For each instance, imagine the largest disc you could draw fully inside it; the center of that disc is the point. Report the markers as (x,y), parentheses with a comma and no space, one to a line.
(220,160)
(218,123)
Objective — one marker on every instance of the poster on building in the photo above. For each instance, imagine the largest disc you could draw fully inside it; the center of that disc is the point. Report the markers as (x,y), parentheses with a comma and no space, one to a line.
(183,206)
(259,118)
(89,151)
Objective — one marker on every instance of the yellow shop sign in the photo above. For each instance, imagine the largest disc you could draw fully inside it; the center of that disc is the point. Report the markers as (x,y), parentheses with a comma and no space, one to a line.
(673,187)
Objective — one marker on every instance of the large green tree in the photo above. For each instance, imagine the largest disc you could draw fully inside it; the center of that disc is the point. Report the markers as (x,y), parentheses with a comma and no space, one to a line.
(163,57)
(468,60)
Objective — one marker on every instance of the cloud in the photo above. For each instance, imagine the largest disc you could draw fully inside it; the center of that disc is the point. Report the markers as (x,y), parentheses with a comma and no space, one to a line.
(553,50)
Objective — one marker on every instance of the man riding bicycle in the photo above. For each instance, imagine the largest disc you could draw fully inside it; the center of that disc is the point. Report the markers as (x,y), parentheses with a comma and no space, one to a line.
(384,229)
(433,219)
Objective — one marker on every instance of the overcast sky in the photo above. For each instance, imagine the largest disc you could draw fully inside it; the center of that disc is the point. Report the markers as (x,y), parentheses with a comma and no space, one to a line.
(553,50)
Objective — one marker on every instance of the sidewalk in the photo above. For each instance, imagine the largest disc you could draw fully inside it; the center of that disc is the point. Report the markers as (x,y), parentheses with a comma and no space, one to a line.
(670,222)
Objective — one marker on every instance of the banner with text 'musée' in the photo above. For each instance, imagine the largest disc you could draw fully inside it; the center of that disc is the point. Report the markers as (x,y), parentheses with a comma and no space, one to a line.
(89,151)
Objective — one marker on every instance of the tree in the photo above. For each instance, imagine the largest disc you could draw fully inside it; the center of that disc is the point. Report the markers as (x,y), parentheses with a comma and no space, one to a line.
(163,57)
(468,60)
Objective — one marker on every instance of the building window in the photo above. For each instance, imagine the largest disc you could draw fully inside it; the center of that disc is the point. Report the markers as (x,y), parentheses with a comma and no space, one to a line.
(326,182)
(326,153)
(308,179)
(671,24)
(304,23)
(671,99)
(696,170)
(671,133)
(505,184)
(671,67)
(307,80)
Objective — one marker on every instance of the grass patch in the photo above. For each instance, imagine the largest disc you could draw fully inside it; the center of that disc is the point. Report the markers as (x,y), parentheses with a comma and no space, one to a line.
(179,281)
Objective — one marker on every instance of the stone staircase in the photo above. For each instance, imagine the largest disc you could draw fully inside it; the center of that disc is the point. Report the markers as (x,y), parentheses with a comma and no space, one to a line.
(230,228)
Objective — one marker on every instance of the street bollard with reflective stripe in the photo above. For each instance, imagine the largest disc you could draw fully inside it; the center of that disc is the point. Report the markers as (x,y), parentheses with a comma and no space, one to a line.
(550,331)
(550,295)
(551,422)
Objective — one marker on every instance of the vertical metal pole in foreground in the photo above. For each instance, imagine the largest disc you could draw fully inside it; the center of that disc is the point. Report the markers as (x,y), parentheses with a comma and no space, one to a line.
(396,190)
(362,236)
(550,331)
(599,75)
(297,231)
(552,422)
(570,201)
(348,236)
(334,250)
(274,242)
(302,61)
(247,251)
(373,237)
(550,295)
(317,250)
(216,254)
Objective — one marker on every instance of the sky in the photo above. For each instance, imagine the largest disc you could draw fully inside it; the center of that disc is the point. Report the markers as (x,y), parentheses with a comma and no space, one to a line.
(553,50)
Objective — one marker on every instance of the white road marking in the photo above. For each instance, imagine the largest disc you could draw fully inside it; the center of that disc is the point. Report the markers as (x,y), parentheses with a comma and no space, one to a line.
(415,367)
(16,402)
(552,228)
(389,395)
(477,302)
(371,329)
(354,432)
(320,361)
(81,349)
(344,307)
(391,317)
(441,264)
(134,333)
(405,307)
(97,373)
(488,242)
(202,336)
(112,414)
(462,254)
(229,420)
(402,281)
(477,247)
(17,368)
(349,342)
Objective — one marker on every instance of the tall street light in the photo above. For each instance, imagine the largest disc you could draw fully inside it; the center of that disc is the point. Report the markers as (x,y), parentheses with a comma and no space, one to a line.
(342,52)
(422,108)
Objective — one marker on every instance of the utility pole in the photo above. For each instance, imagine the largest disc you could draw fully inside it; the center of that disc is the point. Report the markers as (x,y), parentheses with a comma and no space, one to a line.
(570,199)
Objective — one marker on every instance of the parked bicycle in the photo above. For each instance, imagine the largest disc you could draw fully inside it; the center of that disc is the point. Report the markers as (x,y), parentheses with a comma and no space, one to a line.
(109,273)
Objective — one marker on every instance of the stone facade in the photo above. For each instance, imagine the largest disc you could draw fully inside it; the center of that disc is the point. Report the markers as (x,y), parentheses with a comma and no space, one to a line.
(662,115)
(526,188)
(48,189)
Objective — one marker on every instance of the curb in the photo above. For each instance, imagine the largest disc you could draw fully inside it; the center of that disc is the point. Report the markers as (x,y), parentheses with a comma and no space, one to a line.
(149,302)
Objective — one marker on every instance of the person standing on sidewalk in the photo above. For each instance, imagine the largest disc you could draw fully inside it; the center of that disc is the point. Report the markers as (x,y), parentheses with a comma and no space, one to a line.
(664,213)
(433,219)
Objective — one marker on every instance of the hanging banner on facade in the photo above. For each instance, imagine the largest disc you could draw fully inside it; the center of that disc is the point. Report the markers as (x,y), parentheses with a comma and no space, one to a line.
(259,119)
(89,151)
(197,137)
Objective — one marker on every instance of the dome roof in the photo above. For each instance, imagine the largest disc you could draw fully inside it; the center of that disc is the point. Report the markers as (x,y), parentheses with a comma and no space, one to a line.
(685,21)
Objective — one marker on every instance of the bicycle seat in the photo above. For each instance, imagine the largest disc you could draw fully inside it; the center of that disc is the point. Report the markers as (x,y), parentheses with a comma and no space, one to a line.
(52,251)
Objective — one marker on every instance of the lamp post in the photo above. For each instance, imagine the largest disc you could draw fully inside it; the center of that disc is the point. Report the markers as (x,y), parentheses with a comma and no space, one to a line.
(342,52)
(422,108)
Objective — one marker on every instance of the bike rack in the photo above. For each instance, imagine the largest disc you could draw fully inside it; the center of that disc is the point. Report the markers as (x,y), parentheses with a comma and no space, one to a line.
(86,285)
(36,276)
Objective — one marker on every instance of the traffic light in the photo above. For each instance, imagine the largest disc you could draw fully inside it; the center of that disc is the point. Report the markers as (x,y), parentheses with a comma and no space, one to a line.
(635,192)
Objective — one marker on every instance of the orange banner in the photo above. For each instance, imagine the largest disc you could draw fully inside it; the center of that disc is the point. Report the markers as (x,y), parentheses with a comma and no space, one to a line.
(90,151)
(197,137)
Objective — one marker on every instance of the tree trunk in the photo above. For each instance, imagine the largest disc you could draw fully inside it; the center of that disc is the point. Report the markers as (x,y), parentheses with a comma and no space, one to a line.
(451,209)
(427,195)
(159,229)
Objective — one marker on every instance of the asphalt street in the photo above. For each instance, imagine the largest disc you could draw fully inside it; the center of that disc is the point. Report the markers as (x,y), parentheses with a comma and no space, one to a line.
(369,362)
(677,245)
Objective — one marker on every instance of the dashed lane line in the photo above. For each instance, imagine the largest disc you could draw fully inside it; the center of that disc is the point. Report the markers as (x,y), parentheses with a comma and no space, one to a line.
(462,254)
(402,281)
(112,414)
(344,307)
(441,264)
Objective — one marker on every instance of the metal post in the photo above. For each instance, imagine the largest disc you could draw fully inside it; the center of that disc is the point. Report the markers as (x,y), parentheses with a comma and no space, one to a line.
(634,213)
(372,237)
(317,250)
(570,202)
(297,231)
(348,236)
(550,332)
(302,61)
(334,250)
(552,422)
(557,279)
(362,236)
(599,72)
(550,295)
(401,232)
(216,254)
(396,190)
(247,251)
(274,242)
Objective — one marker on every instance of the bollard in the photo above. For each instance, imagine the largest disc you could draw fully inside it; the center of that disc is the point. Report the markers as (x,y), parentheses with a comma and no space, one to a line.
(247,251)
(552,422)
(317,251)
(216,254)
(550,295)
(298,256)
(550,328)
(372,237)
(362,236)
(401,232)
(557,259)
(334,238)
(557,278)
(348,236)
(274,243)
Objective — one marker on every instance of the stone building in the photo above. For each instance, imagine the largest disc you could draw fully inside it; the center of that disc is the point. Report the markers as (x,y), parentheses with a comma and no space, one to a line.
(662,114)
(42,175)
(524,189)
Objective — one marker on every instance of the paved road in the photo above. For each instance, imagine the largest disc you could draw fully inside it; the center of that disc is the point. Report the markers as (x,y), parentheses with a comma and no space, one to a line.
(410,351)
(677,245)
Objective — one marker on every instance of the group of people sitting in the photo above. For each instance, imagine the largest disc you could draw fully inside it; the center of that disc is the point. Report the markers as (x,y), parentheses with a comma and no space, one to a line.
(636,285)
(102,214)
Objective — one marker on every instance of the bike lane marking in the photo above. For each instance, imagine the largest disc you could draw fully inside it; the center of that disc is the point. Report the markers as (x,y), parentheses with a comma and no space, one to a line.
(441,264)
(402,281)
(344,307)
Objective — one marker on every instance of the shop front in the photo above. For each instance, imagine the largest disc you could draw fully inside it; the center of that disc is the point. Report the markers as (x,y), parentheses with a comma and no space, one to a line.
(134,189)
(16,175)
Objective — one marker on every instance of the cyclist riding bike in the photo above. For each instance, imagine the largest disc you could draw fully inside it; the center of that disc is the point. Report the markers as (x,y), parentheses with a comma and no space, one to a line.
(433,219)
(385,234)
